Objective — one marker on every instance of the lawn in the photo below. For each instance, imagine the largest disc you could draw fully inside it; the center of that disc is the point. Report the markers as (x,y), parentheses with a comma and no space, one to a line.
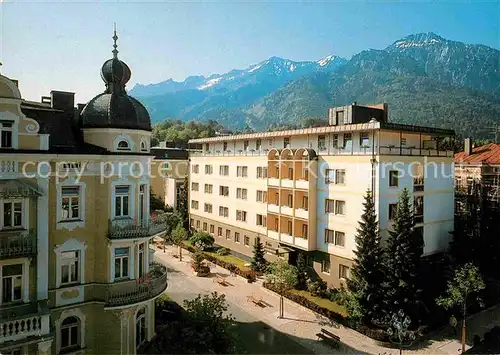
(322,302)
(240,263)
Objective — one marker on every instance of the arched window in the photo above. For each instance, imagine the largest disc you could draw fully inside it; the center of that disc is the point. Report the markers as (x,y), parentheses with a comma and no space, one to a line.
(70,334)
(140,327)
(123,145)
(144,147)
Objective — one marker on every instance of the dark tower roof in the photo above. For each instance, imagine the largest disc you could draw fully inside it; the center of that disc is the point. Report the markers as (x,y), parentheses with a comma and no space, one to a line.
(114,108)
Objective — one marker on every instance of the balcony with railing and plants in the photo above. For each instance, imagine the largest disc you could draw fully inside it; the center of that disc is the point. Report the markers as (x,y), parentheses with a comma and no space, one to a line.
(17,243)
(24,321)
(130,228)
(129,292)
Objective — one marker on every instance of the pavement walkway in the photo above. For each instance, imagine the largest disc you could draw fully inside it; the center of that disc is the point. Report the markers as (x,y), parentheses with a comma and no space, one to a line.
(300,324)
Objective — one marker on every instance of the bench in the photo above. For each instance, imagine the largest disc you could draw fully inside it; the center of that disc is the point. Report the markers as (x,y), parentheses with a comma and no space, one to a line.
(329,337)
(255,300)
(220,280)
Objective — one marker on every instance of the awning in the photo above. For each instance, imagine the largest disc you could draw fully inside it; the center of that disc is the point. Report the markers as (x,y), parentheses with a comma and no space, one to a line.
(17,188)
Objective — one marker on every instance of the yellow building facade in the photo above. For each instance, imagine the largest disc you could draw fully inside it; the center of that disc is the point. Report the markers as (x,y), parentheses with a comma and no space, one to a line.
(78,275)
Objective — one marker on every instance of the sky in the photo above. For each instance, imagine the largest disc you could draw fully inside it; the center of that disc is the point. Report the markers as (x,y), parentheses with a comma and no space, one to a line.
(61,45)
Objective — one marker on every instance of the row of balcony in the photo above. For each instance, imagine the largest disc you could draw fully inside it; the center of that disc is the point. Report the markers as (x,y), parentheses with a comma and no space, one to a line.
(298,184)
(27,320)
(135,291)
(17,244)
(284,237)
(289,211)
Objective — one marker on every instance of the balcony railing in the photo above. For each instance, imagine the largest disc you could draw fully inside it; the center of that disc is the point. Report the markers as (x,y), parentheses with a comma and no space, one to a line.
(129,228)
(16,244)
(135,291)
(23,321)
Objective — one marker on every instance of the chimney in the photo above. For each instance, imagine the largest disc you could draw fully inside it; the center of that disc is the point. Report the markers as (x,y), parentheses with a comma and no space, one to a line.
(468,146)
(62,100)
(80,107)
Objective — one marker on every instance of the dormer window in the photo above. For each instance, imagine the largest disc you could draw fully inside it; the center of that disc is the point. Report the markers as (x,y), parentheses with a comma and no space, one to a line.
(6,129)
(144,148)
(123,145)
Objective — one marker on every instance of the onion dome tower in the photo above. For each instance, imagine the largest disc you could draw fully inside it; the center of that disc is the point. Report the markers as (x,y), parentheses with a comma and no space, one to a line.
(114,108)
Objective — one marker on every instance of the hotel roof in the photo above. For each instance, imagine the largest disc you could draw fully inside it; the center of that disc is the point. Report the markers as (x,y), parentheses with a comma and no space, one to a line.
(485,154)
(329,129)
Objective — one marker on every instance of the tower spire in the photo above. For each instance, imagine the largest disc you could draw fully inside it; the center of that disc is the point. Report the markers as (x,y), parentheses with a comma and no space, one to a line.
(115,38)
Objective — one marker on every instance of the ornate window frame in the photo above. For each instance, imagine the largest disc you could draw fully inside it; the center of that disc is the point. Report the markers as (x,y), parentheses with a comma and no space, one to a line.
(72,312)
(133,198)
(9,116)
(125,138)
(70,224)
(26,273)
(70,245)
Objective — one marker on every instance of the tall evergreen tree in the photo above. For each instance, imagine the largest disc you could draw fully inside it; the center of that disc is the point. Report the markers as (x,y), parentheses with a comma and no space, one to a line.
(301,272)
(367,274)
(258,261)
(404,250)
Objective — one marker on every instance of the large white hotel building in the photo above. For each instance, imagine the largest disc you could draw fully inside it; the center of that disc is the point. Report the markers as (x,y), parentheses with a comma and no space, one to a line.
(302,190)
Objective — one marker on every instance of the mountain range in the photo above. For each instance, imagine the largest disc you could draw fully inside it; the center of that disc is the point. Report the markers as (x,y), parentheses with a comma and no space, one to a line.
(426,79)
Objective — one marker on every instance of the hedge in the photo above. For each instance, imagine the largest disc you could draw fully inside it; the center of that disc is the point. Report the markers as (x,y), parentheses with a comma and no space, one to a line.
(374,333)
(250,275)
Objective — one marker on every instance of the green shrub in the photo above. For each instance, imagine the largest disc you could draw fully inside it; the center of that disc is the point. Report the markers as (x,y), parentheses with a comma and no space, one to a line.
(333,295)
(196,260)
(202,240)
(317,288)
(223,251)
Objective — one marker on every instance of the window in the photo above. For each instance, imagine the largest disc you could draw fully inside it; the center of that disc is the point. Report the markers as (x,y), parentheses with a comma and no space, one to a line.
(343,272)
(228,234)
(393,209)
(335,141)
(144,148)
(123,145)
(321,143)
(325,266)
(70,207)
(289,227)
(195,186)
(140,327)
(197,224)
(208,188)
(241,171)
(418,208)
(191,222)
(212,229)
(70,334)
(261,220)
(339,176)
(347,141)
(219,231)
(340,118)
(121,201)
(286,142)
(6,129)
(224,146)
(258,144)
(224,191)
(290,200)
(245,144)
(329,206)
(339,238)
(329,236)
(209,169)
(194,204)
(70,267)
(140,260)
(261,196)
(205,226)
(339,207)
(246,240)
(393,178)
(207,207)
(224,170)
(195,169)
(12,283)
(241,215)
(304,230)
(121,263)
(223,211)
(241,193)
(364,140)
(305,203)
(12,214)
(236,237)
(165,165)
(329,176)
(207,147)
(290,173)
(261,172)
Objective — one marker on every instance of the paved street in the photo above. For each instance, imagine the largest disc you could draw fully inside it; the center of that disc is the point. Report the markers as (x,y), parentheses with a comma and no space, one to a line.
(262,332)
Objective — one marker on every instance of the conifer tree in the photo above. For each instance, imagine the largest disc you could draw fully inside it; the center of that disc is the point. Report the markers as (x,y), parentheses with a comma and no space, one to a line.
(367,274)
(301,272)
(404,250)
(258,261)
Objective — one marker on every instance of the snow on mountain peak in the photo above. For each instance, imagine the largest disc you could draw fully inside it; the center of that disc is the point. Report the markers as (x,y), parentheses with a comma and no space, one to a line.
(324,61)
(419,40)
(209,83)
